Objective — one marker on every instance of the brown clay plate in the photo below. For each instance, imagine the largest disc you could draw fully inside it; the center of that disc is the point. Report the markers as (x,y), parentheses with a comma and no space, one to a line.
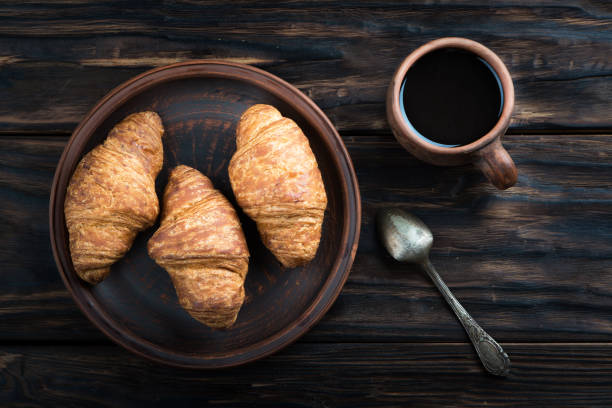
(200,103)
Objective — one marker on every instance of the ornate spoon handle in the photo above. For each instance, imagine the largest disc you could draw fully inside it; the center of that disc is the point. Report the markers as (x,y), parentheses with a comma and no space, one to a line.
(493,357)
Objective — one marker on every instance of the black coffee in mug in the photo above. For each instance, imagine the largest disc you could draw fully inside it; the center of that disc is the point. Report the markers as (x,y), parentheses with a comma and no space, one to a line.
(451,97)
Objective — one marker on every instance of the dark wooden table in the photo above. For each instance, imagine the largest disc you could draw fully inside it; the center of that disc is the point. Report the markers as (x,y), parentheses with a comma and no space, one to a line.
(533,264)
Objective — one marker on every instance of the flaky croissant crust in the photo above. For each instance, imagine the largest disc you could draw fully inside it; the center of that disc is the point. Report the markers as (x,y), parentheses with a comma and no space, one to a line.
(111,195)
(277,182)
(201,244)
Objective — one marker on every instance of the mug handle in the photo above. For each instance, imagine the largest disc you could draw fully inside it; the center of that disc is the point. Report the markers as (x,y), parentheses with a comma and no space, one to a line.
(496,164)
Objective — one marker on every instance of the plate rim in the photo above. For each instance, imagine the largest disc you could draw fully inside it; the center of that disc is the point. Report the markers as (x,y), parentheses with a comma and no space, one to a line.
(324,298)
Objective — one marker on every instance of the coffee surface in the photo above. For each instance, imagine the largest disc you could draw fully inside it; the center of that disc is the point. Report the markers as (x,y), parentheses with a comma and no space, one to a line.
(451,97)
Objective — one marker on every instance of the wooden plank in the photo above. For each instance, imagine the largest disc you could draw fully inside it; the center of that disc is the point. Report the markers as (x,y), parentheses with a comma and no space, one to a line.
(522,261)
(533,263)
(31,289)
(312,375)
(58,58)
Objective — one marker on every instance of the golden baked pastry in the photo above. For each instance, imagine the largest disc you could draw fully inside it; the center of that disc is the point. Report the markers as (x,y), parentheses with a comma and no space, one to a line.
(277,182)
(111,195)
(201,245)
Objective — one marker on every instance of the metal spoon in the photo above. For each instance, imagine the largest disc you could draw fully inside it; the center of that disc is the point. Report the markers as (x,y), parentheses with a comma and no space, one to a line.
(408,239)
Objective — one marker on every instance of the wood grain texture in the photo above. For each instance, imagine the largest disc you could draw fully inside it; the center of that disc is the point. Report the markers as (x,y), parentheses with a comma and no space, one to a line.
(533,263)
(29,280)
(313,375)
(57,59)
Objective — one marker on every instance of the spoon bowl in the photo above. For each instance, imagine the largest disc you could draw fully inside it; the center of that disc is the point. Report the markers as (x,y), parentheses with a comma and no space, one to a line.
(405,236)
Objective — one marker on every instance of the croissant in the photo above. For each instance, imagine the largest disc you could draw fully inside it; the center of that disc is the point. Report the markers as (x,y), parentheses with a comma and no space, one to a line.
(277,182)
(111,195)
(201,245)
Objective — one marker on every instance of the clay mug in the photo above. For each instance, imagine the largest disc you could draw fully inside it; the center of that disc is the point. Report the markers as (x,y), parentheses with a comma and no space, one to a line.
(486,152)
